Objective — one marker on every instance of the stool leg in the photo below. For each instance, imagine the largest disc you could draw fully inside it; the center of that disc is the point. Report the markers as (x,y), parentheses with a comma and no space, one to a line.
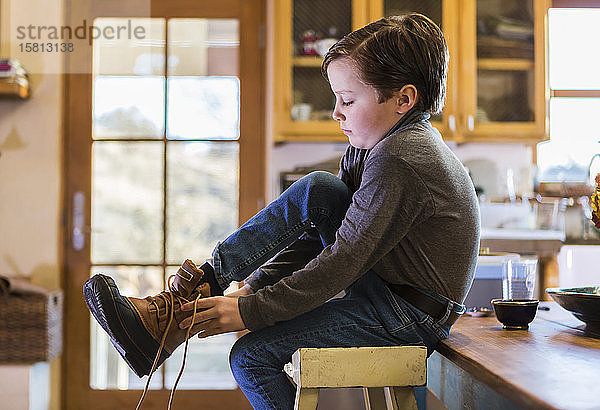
(402,398)
(306,399)
(374,398)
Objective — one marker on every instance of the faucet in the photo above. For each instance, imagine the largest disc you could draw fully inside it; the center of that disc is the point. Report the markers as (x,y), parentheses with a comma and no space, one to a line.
(591,179)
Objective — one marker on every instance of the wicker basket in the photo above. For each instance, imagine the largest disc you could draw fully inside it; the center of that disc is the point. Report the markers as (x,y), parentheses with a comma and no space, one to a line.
(30,326)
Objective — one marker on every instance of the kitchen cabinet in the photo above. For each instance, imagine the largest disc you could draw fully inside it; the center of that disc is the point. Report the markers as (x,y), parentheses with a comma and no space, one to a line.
(496,78)
(502,71)
(301,98)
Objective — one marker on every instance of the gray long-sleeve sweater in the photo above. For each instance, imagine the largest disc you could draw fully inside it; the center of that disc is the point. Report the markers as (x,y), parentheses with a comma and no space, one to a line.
(413,219)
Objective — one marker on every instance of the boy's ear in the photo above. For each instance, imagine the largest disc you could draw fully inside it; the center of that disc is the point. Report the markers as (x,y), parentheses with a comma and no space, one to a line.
(406,98)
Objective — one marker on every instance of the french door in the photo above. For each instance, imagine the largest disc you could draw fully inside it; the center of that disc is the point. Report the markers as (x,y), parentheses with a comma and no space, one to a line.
(164,157)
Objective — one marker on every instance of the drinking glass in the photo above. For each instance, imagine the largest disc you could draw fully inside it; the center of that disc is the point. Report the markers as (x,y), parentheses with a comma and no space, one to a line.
(518,279)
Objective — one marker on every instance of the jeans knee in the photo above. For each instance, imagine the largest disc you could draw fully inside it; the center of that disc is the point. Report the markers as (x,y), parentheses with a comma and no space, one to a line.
(318,184)
(324,184)
(240,360)
(259,374)
(237,358)
(321,178)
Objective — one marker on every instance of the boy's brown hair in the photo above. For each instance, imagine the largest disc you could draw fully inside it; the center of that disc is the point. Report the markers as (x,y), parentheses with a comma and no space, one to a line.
(395,51)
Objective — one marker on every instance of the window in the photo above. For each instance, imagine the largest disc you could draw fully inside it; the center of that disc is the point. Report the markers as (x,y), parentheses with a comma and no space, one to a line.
(571,153)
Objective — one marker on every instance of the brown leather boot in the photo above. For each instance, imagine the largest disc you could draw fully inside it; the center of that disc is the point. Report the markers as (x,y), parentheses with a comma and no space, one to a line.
(137,326)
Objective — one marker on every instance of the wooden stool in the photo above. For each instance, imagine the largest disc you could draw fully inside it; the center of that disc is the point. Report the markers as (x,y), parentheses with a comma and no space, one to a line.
(386,374)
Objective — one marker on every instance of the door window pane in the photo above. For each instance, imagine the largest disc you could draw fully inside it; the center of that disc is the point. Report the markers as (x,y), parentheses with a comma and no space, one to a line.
(129,84)
(137,47)
(128,107)
(202,201)
(207,362)
(107,369)
(203,47)
(127,204)
(204,108)
(206,366)
(573,48)
(204,90)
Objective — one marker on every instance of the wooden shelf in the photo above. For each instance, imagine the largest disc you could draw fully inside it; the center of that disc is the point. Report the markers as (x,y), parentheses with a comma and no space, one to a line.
(310,138)
(14,89)
(318,131)
(307,61)
(575,93)
(505,64)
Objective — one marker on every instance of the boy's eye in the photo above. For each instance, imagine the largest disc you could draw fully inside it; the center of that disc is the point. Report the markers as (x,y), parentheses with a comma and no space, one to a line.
(346,103)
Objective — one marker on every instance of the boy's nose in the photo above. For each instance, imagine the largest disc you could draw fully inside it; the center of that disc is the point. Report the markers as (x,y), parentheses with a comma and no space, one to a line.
(337,115)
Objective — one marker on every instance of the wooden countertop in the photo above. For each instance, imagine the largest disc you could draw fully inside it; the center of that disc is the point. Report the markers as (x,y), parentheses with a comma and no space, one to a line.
(554,364)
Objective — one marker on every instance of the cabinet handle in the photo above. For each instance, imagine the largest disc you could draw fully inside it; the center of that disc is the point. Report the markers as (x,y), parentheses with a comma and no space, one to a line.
(470,122)
(452,122)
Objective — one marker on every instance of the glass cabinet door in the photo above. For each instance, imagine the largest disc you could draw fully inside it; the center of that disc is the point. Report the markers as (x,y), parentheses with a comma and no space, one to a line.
(316,26)
(304,31)
(503,72)
(429,8)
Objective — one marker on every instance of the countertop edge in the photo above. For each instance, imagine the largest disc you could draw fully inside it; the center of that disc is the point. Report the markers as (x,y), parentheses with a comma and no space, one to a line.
(507,389)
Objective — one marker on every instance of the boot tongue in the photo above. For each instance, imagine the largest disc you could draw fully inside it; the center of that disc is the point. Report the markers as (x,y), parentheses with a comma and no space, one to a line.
(187,279)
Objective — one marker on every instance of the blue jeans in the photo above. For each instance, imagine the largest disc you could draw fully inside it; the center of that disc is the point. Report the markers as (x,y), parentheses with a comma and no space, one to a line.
(369,314)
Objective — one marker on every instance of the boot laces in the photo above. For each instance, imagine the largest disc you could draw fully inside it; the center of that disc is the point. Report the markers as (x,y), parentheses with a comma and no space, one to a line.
(169,297)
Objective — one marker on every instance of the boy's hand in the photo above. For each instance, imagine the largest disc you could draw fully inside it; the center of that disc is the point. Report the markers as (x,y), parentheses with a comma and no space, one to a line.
(214,315)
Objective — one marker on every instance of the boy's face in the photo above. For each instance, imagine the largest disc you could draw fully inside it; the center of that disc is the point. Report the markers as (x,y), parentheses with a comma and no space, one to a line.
(361,117)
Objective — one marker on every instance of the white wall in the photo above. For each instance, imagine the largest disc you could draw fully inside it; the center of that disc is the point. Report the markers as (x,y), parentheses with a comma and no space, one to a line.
(30,165)
(25,387)
(490,163)
(30,171)
(286,157)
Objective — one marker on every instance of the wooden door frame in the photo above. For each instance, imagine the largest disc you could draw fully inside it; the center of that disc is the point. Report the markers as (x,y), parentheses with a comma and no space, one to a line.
(76,393)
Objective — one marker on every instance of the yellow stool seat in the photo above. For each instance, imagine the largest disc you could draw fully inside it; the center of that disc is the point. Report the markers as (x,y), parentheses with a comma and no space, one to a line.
(386,374)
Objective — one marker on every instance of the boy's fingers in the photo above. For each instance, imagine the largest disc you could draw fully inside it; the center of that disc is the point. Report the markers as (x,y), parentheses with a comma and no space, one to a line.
(199,318)
(201,303)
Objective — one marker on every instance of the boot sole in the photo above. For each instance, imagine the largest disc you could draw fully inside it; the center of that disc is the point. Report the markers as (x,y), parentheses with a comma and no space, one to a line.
(102,297)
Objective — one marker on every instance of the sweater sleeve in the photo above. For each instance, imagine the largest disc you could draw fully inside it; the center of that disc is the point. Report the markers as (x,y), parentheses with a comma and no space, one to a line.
(390,199)
(344,173)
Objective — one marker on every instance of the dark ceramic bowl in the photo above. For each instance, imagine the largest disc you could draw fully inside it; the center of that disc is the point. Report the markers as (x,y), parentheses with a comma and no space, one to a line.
(583,303)
(515,313)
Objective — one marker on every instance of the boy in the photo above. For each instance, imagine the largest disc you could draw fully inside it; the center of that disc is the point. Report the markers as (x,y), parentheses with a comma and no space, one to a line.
(398,231)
